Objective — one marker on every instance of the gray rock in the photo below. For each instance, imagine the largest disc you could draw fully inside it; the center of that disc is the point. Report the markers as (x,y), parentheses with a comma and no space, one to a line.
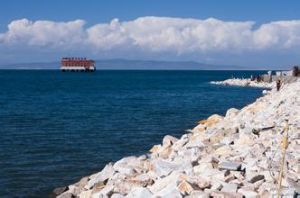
(164,167)
(139,192)
(198,194)
(227,140)
(181,142)
(169,181)
(256,178)
(169,140)
(106,173)
(169,193)
(231,112)
(131,160)
(117,195)
(248,193)
(107,191)
(60,190)
(220,194)
(231,188)
(66,195)
(83,181)
(230,166)
(294,185)
(176,168)
(125,170)
(216,185)
(202,167)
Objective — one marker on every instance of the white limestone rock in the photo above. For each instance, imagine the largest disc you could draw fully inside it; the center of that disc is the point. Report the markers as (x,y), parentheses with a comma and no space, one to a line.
(163,167)
(105,174)
(225,157)
(231,113)
(169,140)
(117,195)
(231,188)
(198,194)
(139,192)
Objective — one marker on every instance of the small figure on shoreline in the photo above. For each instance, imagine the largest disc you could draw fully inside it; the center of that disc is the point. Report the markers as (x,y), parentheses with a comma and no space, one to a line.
(278,84)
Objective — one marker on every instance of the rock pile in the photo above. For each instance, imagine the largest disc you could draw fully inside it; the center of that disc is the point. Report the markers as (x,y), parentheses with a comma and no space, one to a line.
(244,83)
(233,156)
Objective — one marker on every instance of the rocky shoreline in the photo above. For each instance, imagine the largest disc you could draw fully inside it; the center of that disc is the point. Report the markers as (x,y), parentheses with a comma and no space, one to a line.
(244,83)
(237,155)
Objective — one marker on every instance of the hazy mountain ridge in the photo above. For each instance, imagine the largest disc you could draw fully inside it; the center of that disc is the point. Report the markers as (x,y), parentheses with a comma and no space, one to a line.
(123,64)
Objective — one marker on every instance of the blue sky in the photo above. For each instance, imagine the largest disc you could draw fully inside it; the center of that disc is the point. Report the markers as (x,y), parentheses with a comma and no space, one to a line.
(110,19)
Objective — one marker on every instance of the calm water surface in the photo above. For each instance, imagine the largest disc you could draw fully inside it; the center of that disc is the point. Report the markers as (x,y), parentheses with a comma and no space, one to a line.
(57,127)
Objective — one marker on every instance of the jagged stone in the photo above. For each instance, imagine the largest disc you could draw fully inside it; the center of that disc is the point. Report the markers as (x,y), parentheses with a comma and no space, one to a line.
(202,167)
(198,194)
(225,160)
(231,188)
(181,142)
(167,187)
(231,112)
(169,193)
(216,136)
(164,167)
(139,192)
(214,119)
(226,194)
(165,152)
(185,188)
(169,140)
(248,193)
(117,195)
(66,195)
(60,190)
(100,177)
(107,191)
(195,141)
(216,185)
(160,184)
(83,181)
(230,166)
(155,149)
(85,194)
(202,184)
(245,140)
(256,178)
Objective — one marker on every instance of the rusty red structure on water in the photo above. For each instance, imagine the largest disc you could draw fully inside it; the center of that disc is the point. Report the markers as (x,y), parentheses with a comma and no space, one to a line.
(77,64)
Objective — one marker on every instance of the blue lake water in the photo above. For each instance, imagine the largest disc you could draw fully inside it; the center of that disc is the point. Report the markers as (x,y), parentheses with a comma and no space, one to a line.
(58,127)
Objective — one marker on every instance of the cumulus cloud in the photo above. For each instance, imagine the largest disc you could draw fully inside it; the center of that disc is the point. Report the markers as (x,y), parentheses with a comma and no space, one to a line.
(43,33)
(155,35)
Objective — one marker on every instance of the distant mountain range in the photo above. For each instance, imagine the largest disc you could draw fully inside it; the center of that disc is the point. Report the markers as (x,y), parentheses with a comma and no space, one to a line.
(122,64)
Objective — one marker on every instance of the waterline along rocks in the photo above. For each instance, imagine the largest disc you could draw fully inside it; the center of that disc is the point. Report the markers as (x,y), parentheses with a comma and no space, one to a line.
(238,155)
(245,83)
(267,81)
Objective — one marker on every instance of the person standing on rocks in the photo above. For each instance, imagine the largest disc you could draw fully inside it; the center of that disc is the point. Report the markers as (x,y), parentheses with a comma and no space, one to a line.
(278,84)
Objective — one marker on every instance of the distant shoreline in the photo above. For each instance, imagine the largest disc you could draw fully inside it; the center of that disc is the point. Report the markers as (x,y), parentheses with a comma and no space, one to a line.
(106,69)
(124,64)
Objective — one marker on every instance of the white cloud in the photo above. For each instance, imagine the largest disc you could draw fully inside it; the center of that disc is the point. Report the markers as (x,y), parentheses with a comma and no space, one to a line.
(280,34)
(158,34)
(43,33)
(155,35)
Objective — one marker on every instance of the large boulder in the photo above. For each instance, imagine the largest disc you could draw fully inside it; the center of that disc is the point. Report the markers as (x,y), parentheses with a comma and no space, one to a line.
(164,167)
(60,190)
(169,140)
(101,177)
(139,192)
(169,181)
(185,187)
(231,113)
